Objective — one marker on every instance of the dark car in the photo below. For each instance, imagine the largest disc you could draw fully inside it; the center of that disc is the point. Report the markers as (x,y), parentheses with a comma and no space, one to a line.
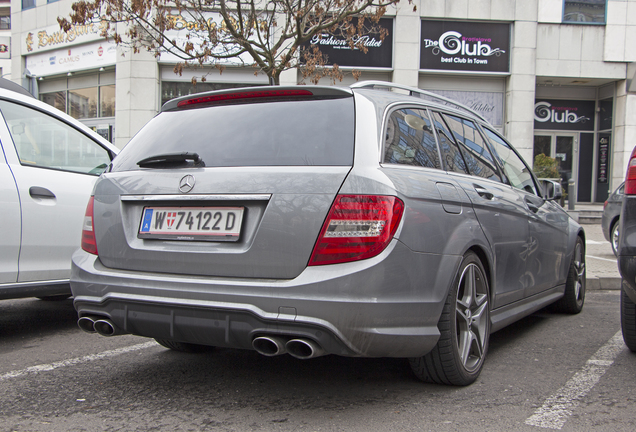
(358,222)
(627,256)
(611,217)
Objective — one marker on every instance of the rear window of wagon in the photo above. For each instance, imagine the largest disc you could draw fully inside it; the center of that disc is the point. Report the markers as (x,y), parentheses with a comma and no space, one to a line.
(283,133)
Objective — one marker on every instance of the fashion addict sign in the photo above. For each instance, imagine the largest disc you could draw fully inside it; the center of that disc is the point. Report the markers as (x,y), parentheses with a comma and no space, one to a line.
(379,54)
(465,46)
(564,115)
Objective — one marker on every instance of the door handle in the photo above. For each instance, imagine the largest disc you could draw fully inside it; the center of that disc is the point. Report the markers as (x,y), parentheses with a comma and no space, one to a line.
(483,192)
(40,192)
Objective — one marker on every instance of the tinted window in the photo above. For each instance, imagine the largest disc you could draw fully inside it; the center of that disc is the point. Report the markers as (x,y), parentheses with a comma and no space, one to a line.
(43,141)
(514,167)
(409,139)
(291,133)
(452,157)
(476,154)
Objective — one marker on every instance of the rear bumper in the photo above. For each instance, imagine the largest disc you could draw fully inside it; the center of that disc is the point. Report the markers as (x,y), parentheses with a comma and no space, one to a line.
(387,306)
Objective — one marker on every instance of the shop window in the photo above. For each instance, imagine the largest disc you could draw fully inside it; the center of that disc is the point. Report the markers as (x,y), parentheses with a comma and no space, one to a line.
(584,11)
(107,100)
(5,23)
(84,103)
(28,4)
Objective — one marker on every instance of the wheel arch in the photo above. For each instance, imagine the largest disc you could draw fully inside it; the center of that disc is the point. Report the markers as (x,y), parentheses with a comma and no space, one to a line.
(485,262)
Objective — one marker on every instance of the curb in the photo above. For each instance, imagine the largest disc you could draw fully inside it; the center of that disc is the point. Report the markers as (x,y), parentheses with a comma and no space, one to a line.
(603,283)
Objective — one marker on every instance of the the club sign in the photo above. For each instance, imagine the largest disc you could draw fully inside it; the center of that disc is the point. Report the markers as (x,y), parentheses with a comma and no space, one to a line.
(466,46)
(453,42)
(564,115)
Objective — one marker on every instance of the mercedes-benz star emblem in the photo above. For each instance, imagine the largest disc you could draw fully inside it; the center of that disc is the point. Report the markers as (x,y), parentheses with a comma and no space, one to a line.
(186,184)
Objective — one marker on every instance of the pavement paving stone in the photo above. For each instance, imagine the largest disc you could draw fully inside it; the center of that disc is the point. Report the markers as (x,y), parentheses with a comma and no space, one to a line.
(601,265)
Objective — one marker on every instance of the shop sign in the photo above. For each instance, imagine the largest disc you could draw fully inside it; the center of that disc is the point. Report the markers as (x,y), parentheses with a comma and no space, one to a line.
(465,46)
(603,157)
(488,104)
(89,56)
(5,47)
(53,37)
(188,31)
(564,115)
(379,52)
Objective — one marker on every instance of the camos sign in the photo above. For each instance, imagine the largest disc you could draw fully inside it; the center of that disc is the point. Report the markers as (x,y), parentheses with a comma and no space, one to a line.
(465,46)
(564,115)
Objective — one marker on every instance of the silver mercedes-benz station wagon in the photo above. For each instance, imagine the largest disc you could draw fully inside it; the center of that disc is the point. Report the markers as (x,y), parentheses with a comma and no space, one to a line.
(375,221)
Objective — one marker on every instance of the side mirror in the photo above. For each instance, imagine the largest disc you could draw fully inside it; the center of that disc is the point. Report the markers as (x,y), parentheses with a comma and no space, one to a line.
(552,190)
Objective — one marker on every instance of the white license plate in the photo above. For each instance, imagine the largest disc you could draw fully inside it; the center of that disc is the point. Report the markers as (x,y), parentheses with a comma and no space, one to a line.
(191,223)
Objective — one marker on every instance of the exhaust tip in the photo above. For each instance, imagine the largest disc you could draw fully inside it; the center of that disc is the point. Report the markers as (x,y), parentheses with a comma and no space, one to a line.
(304,349)
(87,324)
(105,327)
(269,345)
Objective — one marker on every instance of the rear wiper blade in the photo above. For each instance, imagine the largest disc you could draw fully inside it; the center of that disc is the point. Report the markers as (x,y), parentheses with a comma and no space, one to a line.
(172,160)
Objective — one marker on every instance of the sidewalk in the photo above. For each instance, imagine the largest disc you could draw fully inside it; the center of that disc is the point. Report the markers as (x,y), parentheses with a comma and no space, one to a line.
(601,266)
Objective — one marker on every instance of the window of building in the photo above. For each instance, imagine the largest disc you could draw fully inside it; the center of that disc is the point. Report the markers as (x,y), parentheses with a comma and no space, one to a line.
(28,4)
(584,11)
(82,98)
(5,23)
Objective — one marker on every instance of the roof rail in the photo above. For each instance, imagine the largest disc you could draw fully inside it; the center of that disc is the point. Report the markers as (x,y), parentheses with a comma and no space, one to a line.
(416,92)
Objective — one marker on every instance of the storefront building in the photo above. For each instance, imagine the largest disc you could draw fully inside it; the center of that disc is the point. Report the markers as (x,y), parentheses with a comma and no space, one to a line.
(554,76)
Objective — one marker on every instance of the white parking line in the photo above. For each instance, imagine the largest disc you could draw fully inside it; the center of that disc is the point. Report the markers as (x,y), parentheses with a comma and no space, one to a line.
(77,360)
(558,407)
(600,258)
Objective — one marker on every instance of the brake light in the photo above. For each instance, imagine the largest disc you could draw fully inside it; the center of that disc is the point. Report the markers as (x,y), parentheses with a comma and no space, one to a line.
(630,180)
(357,227)
(243,95)
(89,244)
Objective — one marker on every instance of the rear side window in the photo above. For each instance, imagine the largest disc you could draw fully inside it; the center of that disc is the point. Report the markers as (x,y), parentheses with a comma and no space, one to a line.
(452,156)
(476,154)
(409,139)
(286,133)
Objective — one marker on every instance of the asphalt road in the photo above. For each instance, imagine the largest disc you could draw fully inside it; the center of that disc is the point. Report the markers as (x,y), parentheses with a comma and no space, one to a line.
(546,372)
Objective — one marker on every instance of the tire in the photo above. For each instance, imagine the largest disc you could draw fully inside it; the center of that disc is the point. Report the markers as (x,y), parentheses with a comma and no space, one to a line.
(574,296)
(614,237)
(184,347)
(628,321)
(464,327)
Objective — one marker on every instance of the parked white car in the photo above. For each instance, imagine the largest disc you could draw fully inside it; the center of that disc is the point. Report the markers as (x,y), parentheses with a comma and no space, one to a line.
(48,166)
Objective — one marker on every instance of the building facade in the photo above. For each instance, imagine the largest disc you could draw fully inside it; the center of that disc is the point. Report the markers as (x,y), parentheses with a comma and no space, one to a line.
(554,76)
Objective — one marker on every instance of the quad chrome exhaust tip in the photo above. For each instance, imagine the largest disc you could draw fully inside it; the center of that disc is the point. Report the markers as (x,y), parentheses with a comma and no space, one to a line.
(304,349)
(99,325)
(269,345)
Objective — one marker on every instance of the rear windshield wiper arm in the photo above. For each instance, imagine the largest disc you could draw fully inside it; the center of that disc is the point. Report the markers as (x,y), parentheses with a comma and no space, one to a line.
(171,160)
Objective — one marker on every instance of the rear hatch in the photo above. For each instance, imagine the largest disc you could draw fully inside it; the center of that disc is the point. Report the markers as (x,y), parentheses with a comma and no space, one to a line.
(227,184)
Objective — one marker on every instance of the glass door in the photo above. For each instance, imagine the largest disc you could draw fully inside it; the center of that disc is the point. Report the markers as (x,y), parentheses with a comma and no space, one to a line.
(563,149)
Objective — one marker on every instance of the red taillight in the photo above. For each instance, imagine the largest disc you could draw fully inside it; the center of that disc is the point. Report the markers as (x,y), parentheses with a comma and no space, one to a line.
(243,95)
(357,227)
(630,180)
(89,244)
